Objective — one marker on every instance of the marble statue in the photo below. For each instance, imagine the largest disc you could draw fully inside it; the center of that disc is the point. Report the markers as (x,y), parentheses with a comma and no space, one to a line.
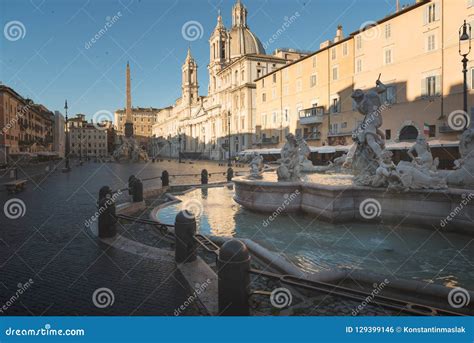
(289,169)
(463,175)
(129,150)
(386,175)
(306,165)
(424,158)
(256,166)
(369,137)
(412,176)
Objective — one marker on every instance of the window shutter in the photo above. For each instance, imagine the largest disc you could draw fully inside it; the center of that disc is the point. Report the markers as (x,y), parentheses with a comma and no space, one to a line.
(423,87)
(438,85)
(437,10)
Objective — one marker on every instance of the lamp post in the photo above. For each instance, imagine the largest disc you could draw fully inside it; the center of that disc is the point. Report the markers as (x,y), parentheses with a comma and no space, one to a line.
(67,167)
(465,35)
(179,146)
(169,144)
(229,162)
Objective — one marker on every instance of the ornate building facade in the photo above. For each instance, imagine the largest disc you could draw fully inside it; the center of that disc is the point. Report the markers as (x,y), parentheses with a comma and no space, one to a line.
(414,51)
(224,121)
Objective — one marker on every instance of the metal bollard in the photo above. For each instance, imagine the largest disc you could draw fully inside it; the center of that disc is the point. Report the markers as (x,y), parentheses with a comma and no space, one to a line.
(106,210)
(165,179)
(233,265)
(230,174)
(138,190)
(184,230)
(204,177)
(103,192)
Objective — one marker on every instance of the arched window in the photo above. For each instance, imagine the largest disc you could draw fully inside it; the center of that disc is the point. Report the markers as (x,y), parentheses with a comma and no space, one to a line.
(408,133)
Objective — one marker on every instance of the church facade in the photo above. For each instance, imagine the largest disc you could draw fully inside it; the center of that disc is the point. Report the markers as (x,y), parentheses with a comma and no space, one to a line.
(224,121)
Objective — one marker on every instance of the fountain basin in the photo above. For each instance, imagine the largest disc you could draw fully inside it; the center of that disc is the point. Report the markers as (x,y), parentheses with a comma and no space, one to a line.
(336,199)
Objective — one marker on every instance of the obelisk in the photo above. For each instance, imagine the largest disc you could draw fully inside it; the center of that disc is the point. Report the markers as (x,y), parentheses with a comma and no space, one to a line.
(128,110)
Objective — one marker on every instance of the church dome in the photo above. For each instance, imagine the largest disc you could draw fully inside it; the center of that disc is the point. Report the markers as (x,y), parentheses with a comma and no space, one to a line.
(243,41)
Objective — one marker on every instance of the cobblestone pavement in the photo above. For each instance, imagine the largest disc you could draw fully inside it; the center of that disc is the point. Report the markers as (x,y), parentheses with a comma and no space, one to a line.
(51,246)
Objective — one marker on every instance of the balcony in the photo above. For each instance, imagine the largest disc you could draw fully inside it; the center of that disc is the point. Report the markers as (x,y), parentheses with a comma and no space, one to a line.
(313,136)
(313,115)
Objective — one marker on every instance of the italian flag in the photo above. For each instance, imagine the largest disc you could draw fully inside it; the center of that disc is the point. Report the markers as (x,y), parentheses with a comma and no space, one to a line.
(426,129)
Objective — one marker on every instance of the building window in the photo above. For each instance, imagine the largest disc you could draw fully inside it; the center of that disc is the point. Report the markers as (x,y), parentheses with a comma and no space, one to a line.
(313,80)
(388,56)
(388,31)
(431,13)
(264,97)
(432,131)
(287,117)
(315,60)
(388,134)
(263,82)
(344,49)
(359,42)
(359,65)
(274,117)
(274,94)
(274,78)
(333,53)
(335,105)
(431,43)
(431,86)
(335,73)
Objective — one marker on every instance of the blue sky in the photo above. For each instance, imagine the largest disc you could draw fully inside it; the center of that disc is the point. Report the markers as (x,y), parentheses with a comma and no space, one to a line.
(51,62)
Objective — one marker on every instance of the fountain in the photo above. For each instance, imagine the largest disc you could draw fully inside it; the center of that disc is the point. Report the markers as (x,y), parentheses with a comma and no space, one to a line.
(413,192)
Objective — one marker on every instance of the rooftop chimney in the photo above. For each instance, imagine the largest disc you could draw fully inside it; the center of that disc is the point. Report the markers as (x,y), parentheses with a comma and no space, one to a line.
(339,34)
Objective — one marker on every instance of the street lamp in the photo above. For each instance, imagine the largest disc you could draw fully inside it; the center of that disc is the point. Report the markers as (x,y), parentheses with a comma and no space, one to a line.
(67,167)
(179,145)
(465,35)
(229,163)
(169,144)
